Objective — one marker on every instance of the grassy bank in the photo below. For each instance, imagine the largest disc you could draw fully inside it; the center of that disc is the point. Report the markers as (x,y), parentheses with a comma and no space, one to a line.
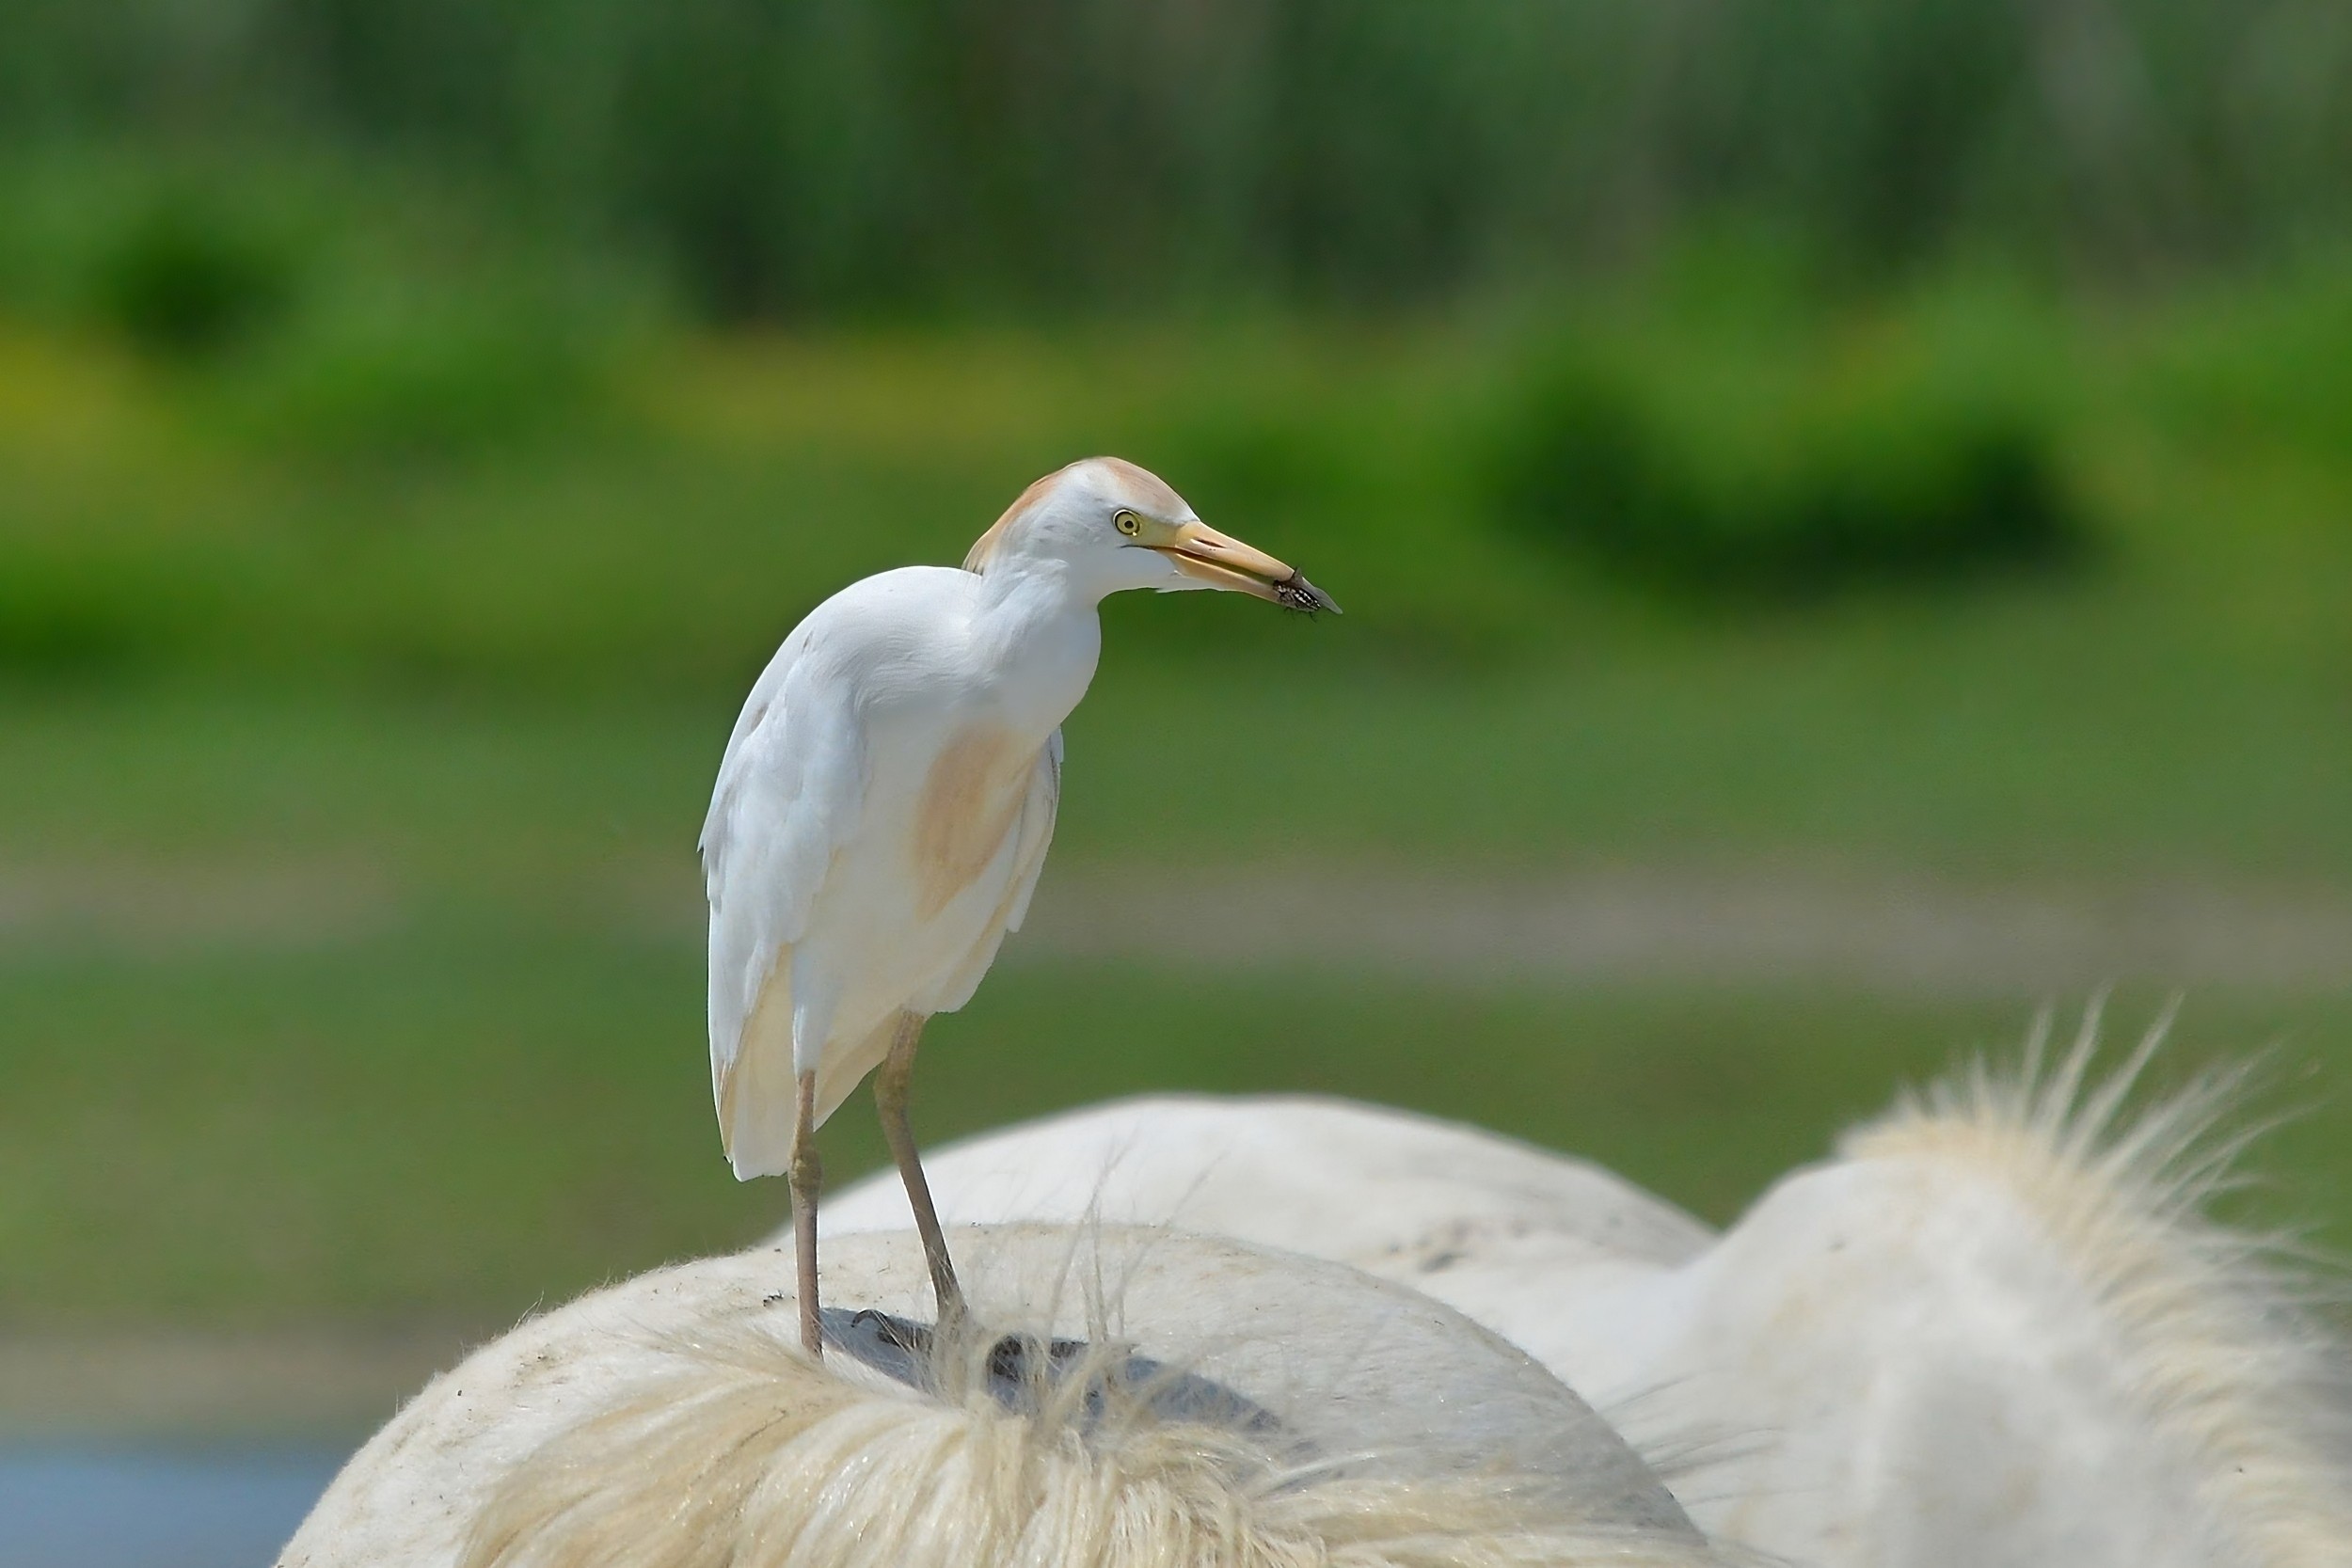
(2052,742)
(456,1122)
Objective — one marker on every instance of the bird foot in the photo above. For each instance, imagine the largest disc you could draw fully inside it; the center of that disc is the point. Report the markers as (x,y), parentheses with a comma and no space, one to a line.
(1020,1370)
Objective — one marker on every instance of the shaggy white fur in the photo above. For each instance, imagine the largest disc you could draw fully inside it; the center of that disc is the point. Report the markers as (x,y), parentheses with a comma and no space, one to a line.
(2000,1327)
(672,1422)
(2225,1356)
(749,1455)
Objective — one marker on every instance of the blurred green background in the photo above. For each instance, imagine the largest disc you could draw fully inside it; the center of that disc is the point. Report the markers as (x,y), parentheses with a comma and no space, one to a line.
(1844,508)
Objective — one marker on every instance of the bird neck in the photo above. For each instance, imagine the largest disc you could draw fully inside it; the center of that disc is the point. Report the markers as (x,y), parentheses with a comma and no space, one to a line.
(1022,588)
(1037,621)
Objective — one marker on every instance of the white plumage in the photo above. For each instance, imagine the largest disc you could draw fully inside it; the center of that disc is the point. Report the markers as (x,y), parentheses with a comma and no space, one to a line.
(886,800)
(880,820)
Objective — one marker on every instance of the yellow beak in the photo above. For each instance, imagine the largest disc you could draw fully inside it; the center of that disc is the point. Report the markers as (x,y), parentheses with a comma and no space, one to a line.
(1223,560)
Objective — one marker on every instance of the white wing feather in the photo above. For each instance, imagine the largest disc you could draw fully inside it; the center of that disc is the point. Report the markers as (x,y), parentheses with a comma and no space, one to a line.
(1036,830)
(789,793)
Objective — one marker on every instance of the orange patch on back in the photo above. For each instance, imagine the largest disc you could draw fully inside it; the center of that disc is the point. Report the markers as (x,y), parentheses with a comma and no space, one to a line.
(968,806)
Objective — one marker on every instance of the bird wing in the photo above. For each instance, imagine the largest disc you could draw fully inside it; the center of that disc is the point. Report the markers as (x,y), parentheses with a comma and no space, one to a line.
(1036,830)
(1032,833)
(790,792)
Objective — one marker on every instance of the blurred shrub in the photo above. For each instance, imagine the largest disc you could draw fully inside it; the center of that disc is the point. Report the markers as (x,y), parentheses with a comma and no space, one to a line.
(1786,474)
(317,307)
(179,258)
(2261,366)
(184,277)
(423,376)
(1260,461)
(434,486)
(1346,456)
(75,618)
(113,602)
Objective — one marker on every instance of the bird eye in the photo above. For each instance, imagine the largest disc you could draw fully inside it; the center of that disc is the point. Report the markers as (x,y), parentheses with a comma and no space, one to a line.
(1127,522)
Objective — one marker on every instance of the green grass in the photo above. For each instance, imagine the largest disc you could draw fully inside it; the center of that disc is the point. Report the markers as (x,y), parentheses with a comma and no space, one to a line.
(2057,737)
(454,1123)
(474,1078)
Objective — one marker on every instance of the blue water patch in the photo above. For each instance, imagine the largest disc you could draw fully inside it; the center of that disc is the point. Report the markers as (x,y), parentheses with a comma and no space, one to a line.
(107,1506)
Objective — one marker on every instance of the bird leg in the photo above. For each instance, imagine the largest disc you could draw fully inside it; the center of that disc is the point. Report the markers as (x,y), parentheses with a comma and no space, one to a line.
(890,1098)
(807,1177)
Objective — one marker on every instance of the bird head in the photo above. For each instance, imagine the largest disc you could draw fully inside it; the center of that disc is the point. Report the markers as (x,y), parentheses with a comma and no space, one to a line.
(1114,526)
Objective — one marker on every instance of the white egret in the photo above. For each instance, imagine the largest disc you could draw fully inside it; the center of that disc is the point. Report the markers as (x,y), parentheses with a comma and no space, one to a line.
(886,802)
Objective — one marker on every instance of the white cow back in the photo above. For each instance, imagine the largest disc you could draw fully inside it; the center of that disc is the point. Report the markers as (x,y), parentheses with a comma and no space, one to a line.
(671,1420)
(1996,1329)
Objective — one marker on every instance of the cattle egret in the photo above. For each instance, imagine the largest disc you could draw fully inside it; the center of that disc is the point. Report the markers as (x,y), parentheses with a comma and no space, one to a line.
(885,805)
